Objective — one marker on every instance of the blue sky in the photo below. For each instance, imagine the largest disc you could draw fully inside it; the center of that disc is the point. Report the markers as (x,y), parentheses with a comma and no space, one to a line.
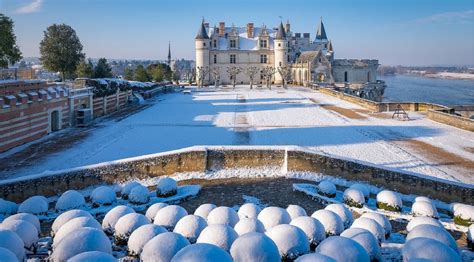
(406,32)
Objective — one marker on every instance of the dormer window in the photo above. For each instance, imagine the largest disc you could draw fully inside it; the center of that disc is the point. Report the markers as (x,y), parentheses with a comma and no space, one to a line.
(263,44)
(233,43)
(215,43)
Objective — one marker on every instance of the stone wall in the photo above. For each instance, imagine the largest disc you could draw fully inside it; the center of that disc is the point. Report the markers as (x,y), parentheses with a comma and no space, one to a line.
(452,120)
(200,159)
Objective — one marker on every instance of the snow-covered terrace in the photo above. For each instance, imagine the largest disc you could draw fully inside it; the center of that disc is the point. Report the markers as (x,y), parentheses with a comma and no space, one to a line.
(297,116)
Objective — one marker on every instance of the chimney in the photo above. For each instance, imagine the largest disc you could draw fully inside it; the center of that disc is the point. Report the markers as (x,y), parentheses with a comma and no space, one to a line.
(287,26)
(306,35)
(250,30)
(221,28)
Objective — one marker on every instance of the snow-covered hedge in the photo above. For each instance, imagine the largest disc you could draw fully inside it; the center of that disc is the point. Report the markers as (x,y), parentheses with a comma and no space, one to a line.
(433,232)
(247,225)
(80,241)
(327,188)
(202,252)
(167,217)
(354,197)
(223,215)
(464,215)
(126,188)
(153,209)
(163,247)
(70,199)
(313,229)
(416,221)
(220,235)
(331,222)
(7,255)
(103,195)
(72,225)
(166,186)
(343,249)
(190,227)
(34,205)
(314,257)
(11,241)
(382,220)
(370,225)
(7,207)
(366,239)
(272,216)
(24,229)
(141,236)
(295,211)
(424,208)
(389,200)
(27,217)
(111,218)
(249,210)
(343,212)
(204,210)
(93,256)
(139,195)
(426,249)
(291,241)
(65,217)
(254,247)
(362,188)
(126,225)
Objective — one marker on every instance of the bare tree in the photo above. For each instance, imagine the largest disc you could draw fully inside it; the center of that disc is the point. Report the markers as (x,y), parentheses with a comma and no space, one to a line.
(268,73)
(233,71)
(216,75)
(201,74)
(251,73)
(285,73)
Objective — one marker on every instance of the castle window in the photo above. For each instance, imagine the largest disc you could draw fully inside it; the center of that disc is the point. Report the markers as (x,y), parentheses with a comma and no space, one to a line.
(345,76)
(233,44)
(263,43)
(203,44)
(368,76)
(279,64)
(288,58)
(232,59)
(215,43)
(263,59)
(279,44)
(215,59)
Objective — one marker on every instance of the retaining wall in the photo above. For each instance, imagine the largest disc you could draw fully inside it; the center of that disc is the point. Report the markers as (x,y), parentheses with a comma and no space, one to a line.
(202,159)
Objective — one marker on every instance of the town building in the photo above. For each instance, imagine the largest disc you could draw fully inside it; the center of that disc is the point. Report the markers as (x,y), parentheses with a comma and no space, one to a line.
(311,61)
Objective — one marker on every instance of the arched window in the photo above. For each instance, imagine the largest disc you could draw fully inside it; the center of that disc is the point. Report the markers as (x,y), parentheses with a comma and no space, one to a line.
(345,76)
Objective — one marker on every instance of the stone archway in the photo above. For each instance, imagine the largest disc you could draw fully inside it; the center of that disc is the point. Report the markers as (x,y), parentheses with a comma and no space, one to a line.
(55,121)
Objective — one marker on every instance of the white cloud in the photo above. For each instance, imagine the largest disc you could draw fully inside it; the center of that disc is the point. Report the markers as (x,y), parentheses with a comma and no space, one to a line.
(449,17)
(33,7)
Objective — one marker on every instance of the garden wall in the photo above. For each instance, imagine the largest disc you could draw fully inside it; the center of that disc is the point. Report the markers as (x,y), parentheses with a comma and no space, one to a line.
(202,159)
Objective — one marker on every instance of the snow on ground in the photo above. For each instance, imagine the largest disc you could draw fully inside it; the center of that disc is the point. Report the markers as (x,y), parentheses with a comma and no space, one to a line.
(266,117)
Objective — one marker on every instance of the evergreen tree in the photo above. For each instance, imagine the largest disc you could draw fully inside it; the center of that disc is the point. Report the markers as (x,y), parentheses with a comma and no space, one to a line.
(128,74)
(85,69)
(102,69)
(61,49)
(9,51)
(141,74)
(159,72)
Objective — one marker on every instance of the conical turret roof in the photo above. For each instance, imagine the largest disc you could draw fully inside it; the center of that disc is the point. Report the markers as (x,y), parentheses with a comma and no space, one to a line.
(202,33)
(281,32)
(321,34)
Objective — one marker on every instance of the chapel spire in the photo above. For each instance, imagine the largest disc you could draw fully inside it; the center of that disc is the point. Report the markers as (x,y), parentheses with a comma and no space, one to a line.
(321,34)
(169,53)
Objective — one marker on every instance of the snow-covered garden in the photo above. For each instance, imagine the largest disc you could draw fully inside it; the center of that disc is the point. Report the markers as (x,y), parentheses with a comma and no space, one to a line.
(145,221)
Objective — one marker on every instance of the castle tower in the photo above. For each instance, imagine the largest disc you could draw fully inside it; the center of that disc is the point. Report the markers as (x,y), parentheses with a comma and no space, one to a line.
(321,36)
(281,51)
(202,44)
(169,54)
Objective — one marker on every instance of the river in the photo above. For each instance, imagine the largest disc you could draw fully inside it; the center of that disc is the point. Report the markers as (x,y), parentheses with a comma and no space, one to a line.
(423,89)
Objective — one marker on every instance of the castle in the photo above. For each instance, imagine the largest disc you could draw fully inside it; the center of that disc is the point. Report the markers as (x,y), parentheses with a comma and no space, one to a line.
(310,61)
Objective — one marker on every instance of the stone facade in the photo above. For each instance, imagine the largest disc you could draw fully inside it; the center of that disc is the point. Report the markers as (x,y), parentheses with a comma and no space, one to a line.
(311,61)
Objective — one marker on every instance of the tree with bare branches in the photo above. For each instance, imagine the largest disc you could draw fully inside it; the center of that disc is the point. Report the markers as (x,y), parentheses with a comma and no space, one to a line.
(268,73)
(216,75)
(202,71)
(251,73)
(285,73)
(233,71)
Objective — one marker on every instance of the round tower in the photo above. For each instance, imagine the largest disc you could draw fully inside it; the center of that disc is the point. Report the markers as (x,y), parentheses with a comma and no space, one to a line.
(202,45)
(281,52)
